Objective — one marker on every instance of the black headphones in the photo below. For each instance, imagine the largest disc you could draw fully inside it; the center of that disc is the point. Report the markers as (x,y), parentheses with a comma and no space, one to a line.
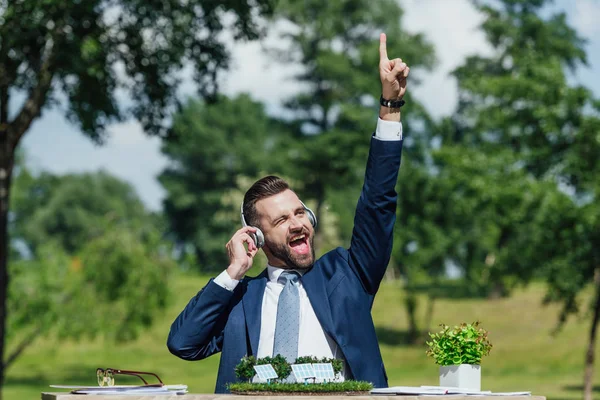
(259,237)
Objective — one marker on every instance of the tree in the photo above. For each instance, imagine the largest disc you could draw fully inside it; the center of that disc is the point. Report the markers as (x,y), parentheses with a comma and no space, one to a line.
(464,210)
(519,98)
(71,209)
(86,51)
(113,287)
(244,142)
(335,43)
(92,260)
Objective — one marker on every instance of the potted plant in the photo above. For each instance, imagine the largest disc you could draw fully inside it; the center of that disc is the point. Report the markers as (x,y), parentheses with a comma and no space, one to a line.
(458,351)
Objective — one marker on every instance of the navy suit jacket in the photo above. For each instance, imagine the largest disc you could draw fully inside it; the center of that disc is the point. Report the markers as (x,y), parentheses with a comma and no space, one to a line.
(341,287)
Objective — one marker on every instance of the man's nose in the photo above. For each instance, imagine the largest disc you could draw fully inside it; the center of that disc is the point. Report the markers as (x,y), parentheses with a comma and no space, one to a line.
(296,223)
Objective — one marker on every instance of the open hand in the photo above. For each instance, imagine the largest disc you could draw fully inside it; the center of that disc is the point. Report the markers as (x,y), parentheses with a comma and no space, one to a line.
(393,73)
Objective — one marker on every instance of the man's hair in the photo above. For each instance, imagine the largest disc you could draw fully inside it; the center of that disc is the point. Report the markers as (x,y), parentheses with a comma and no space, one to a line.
(263,188)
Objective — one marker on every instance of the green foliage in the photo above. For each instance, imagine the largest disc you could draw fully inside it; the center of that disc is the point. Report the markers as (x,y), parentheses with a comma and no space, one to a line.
(114,287)
(91,260)
(203,181)
(71,209)
(464,344)
(328,387)
(88,51)
(520,98)
(245,368)
(279,363)
(78,45)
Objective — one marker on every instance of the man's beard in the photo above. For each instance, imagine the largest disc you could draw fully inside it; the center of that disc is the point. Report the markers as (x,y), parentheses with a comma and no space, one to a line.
(292,260)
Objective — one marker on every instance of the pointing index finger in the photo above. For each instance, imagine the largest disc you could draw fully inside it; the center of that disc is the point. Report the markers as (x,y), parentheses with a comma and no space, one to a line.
(382,47)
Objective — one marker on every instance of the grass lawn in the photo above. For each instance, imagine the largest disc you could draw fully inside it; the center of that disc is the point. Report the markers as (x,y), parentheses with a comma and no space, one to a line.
(525,355)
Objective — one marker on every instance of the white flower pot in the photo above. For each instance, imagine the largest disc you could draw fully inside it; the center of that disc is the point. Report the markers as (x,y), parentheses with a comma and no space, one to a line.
(464,376)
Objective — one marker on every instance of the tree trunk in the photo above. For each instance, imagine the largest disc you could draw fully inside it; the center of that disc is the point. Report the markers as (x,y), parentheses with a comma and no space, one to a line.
(6,166)
(429,313)
(24,344)
(10,136)
(5,151)
(410,302)
(588,378)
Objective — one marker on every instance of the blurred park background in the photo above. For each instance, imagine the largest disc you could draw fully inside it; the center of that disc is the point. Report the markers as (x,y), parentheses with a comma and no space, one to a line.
(130,129)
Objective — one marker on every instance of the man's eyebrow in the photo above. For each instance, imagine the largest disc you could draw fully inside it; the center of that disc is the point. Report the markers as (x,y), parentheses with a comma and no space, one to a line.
(284,215)
(280,216)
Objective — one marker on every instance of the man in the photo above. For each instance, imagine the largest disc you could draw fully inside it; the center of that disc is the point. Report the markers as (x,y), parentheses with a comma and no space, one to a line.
(299,306)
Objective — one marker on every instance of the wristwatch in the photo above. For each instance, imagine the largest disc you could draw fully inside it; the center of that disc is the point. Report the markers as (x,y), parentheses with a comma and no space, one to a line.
(391,103)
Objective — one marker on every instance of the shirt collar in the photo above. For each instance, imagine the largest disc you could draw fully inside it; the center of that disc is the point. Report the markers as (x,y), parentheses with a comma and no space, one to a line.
(275,272)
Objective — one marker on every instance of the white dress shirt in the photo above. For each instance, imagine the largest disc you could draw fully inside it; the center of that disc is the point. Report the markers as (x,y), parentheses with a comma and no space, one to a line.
(312,340)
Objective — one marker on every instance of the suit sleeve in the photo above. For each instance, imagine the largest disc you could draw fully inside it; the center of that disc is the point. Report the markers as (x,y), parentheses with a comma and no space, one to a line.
(197,332)
(372,236)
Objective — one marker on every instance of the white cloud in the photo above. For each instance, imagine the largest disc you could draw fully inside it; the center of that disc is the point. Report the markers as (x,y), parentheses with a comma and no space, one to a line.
(126,134)
(253,71)
(586,15)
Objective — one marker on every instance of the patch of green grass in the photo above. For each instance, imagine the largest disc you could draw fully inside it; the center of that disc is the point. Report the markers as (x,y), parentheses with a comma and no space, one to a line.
(525,356)
(329,387)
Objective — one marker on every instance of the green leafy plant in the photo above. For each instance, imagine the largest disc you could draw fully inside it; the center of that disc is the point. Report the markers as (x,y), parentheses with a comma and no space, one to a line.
(245,369)
(337,364)
(464,344)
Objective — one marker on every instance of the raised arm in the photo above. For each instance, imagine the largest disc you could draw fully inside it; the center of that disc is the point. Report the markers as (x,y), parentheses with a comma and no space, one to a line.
(372,237)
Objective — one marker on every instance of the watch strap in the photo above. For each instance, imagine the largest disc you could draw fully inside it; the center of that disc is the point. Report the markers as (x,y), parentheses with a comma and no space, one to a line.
(391,103)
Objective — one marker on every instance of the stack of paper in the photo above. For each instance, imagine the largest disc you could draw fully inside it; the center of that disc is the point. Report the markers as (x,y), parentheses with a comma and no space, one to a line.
(415,390)
(457,390)
(121,390)
(441,391)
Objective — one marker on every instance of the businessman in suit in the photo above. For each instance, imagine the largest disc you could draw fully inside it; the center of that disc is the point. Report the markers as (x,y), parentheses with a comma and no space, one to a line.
(299,306)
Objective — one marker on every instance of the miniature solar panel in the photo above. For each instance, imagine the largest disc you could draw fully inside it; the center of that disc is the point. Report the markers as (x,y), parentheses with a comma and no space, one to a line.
(324,371)
(265,372)
(303,371)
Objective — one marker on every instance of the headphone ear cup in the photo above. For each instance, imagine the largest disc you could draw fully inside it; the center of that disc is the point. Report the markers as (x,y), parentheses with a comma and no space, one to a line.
(259,238)
(311,216)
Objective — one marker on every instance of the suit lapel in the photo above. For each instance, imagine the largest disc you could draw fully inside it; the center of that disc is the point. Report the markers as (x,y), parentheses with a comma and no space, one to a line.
(314,284)
(252,301)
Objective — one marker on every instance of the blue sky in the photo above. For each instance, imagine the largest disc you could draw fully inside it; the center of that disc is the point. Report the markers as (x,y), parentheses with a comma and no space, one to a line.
(55,145)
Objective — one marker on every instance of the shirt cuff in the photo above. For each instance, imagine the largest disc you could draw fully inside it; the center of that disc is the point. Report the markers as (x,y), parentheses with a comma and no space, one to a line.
(388,130)
(225,281)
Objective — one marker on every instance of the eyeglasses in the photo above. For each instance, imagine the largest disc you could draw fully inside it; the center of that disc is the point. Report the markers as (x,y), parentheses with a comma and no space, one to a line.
(106,377)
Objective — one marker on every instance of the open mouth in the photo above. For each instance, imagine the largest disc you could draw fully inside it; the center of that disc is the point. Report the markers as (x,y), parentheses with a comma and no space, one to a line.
(299,244)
